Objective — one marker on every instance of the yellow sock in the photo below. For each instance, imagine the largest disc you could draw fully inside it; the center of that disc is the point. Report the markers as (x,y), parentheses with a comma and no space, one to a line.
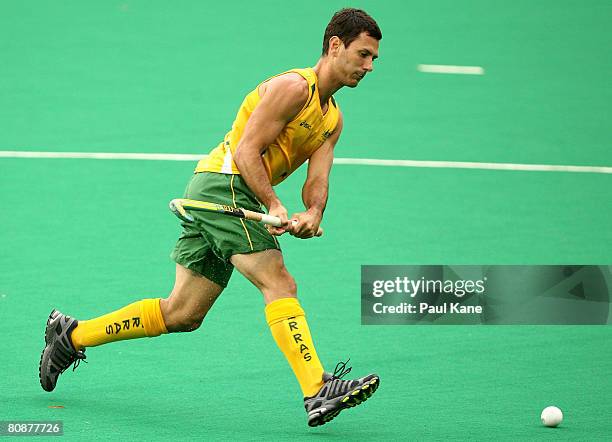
(290,331)
(137,320)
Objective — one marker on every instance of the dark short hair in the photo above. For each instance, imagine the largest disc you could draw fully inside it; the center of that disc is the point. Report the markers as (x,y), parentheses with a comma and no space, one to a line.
(347,24)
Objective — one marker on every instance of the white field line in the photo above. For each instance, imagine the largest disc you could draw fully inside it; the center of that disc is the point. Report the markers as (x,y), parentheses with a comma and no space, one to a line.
(101,155)
(343,161)
(474,165)
(448,69)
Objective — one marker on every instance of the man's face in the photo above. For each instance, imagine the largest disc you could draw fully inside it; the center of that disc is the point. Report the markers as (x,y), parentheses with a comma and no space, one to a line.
(357,60)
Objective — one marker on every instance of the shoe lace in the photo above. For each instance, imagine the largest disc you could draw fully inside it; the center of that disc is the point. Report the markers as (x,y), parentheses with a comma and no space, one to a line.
(341,370)
(75,360)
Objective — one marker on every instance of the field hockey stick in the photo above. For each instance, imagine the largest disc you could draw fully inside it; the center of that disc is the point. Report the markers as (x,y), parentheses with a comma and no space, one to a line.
(180,206)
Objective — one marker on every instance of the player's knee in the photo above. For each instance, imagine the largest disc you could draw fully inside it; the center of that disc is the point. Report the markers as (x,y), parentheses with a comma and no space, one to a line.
(291,286)
(284,282)
(282,286)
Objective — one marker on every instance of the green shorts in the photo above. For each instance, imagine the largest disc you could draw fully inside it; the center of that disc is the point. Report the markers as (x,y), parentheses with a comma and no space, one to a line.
(206,245)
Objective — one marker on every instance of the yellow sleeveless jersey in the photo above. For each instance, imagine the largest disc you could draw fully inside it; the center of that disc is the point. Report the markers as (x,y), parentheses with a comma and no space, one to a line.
(293,146)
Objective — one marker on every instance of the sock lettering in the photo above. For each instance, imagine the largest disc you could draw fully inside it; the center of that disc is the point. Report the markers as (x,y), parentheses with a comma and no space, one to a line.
(126,324)
(297,337)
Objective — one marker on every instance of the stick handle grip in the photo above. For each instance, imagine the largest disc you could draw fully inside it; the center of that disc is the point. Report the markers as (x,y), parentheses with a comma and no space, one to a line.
(269,219)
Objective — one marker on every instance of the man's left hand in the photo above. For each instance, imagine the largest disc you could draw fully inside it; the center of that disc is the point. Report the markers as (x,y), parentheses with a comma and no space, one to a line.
(305,224)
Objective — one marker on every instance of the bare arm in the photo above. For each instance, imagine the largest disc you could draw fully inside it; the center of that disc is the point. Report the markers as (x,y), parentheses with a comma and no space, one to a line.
(315,189)
(282,98)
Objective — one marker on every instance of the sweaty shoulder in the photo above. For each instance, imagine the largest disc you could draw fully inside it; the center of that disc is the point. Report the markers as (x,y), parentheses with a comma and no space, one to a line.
(288,91)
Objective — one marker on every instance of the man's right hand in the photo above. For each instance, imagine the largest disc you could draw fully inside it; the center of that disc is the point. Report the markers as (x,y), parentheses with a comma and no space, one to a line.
(278,210)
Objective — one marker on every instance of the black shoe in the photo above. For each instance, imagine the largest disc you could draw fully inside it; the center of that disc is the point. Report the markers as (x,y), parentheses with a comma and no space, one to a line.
(59,353)
(336,395)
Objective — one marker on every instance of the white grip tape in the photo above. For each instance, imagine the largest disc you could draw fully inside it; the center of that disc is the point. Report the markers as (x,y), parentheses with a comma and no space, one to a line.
(271,220)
